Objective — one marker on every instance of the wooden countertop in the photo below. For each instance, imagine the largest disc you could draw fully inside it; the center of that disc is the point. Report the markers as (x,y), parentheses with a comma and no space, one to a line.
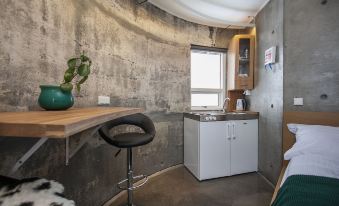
(58,124)
(247,112)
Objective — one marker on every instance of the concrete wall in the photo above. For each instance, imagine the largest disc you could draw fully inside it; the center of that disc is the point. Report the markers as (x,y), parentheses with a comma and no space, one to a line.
(141,58)
(267,96)
(311,54)
(307,35)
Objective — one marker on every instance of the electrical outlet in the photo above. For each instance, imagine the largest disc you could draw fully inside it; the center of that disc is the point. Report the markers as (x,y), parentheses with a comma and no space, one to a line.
(104,100)
(297,101)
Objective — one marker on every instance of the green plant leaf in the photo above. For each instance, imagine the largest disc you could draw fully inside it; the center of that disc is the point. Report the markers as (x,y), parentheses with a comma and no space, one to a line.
(83,80)
(83,70)
(70,70)
(68,77)
(84,58)
(66,87)
(72,62)
(81,66)
(78,87)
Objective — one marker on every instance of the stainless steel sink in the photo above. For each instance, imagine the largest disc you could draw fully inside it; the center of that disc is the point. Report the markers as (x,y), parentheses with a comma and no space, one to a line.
(217,113)
(209,116)
(236,113)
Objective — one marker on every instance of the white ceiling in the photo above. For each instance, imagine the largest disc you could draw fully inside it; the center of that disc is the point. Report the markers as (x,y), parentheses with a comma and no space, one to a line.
(218,13)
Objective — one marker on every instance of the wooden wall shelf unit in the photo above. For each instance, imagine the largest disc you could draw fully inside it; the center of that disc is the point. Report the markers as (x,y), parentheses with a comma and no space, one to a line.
(56,124)
(240,62)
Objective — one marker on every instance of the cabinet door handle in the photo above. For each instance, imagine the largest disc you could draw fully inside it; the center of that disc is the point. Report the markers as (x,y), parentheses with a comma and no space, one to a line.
(228,131)
(233,125)
(229,138)
(234,137)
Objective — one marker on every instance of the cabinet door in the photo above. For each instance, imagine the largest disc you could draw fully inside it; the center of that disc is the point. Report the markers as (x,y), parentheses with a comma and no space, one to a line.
(214,150)
(244,146)
(191,145)
(245,62)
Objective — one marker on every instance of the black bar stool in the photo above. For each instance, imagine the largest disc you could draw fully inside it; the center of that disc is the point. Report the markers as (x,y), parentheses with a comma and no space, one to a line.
(129,140)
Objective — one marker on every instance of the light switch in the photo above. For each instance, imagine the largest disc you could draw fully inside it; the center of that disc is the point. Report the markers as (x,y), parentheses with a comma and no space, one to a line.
(103,100)
(298,101)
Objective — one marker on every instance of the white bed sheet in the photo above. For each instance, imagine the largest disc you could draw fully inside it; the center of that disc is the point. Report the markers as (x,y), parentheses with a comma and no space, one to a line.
(310,164)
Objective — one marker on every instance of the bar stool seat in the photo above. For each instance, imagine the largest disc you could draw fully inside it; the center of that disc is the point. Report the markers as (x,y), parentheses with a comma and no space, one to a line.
(129,140)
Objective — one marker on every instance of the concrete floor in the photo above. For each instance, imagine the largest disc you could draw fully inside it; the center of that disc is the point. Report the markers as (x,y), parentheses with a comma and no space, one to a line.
(178,187)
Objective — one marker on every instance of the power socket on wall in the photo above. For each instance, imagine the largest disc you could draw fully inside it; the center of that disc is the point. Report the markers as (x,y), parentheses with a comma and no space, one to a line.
(104,100)
(298,101)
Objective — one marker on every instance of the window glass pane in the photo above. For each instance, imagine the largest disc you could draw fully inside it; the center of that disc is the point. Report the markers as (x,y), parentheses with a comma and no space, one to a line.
(206,70)
(204,100)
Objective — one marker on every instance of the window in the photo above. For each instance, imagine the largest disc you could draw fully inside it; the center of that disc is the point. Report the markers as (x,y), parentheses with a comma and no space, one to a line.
(207,79)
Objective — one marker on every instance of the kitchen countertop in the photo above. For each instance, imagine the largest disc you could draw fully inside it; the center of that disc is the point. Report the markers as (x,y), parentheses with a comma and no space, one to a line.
(207,116)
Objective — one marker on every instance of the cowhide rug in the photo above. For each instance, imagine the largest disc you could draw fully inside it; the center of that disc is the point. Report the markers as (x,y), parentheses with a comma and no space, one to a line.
(33,192)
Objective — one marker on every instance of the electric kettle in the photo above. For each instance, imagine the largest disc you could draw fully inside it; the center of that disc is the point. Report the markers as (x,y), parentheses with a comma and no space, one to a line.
(241,105)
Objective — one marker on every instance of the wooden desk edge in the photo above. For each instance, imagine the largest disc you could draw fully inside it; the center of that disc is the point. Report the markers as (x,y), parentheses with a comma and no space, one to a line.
(61,131)
(103,119)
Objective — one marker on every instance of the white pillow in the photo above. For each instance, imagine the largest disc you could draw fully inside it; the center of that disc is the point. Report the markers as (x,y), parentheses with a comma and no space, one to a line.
(314,139)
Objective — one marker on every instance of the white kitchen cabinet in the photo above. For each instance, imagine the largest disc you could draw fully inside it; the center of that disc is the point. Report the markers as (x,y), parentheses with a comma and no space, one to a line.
(206,149)
(220,148)
(191,145)
(214,150)
(244,146)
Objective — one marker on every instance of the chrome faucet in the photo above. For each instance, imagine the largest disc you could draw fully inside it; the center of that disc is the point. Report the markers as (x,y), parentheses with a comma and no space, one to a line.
(225,105)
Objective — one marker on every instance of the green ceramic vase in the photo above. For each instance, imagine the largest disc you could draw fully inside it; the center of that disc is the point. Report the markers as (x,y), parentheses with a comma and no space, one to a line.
(53,98)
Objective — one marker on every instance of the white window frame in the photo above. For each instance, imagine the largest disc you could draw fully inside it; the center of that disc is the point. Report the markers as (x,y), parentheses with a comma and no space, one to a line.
(220,92)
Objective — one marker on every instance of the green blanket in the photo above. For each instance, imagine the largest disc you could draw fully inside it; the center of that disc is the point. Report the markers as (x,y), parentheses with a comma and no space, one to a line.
(307,190)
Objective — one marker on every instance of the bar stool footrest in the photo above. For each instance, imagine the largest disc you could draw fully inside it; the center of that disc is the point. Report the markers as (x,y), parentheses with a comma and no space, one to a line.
(143,178)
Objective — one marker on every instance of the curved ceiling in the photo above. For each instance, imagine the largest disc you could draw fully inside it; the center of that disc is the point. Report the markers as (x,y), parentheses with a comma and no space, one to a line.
(218,13)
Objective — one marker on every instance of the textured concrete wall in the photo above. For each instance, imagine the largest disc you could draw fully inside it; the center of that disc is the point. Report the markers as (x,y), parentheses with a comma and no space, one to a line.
(267,96)
(307,35)
(141,58)
(311,38)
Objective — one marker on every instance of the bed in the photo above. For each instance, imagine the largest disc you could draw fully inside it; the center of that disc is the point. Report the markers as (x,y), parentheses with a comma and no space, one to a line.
(310,176)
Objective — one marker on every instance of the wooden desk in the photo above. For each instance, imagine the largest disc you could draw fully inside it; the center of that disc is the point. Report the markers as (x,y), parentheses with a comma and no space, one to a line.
(56,124)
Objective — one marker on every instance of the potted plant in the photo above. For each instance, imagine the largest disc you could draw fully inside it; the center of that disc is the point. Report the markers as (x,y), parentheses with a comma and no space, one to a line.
(59,97)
